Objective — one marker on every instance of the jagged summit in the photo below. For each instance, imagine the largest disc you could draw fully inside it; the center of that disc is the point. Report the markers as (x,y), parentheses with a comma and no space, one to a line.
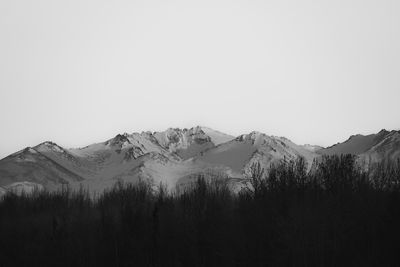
(383,131)
(251,136)
(119,140)
(184,142)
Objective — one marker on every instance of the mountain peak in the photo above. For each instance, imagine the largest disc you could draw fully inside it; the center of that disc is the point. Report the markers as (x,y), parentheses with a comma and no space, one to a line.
(252,136)
(119,140)
(176,138)
(48,145)
(383,131)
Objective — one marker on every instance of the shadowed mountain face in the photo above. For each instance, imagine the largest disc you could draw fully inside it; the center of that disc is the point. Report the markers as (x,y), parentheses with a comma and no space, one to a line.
(173,157)
(30,165)
(356,144)
(372,148)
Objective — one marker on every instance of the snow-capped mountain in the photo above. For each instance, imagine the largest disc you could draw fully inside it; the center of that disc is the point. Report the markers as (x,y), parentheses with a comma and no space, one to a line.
(373,148)
(216,136)
(387,148)
(356,144)
(31,165)
(173,157)
(240,153)
(185,143)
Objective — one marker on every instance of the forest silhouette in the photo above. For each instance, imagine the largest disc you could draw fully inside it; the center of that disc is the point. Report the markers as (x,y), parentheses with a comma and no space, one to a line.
(333,213)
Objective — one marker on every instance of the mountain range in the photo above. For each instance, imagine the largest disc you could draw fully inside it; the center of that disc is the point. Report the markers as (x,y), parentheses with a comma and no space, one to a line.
(174,157)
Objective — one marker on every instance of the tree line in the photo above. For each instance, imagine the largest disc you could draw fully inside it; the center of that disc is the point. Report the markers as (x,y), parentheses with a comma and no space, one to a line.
(331,214)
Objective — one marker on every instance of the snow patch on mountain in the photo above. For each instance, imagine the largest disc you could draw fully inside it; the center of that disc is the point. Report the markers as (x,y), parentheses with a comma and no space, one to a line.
(312,148)
(216,136)
(245,150)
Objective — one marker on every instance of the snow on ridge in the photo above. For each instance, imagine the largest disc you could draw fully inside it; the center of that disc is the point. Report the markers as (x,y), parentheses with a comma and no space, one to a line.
(48,145)
(164,139)
(169,155)
(217,137)
(175,139)
(312,148)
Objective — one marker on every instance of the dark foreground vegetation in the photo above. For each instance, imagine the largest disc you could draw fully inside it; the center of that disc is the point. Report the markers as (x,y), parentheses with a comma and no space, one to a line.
(333,215)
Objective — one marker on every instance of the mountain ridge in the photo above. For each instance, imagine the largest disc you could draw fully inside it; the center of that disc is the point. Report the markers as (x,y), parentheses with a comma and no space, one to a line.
(174,156)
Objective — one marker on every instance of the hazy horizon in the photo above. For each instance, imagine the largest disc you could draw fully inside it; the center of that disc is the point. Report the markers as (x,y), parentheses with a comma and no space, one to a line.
(79,72)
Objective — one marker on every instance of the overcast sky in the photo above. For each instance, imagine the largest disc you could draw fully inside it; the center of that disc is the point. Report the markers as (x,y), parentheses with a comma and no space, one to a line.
(79,72)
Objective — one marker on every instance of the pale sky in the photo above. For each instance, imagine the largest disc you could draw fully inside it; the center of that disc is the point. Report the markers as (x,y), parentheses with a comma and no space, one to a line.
(79,72)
